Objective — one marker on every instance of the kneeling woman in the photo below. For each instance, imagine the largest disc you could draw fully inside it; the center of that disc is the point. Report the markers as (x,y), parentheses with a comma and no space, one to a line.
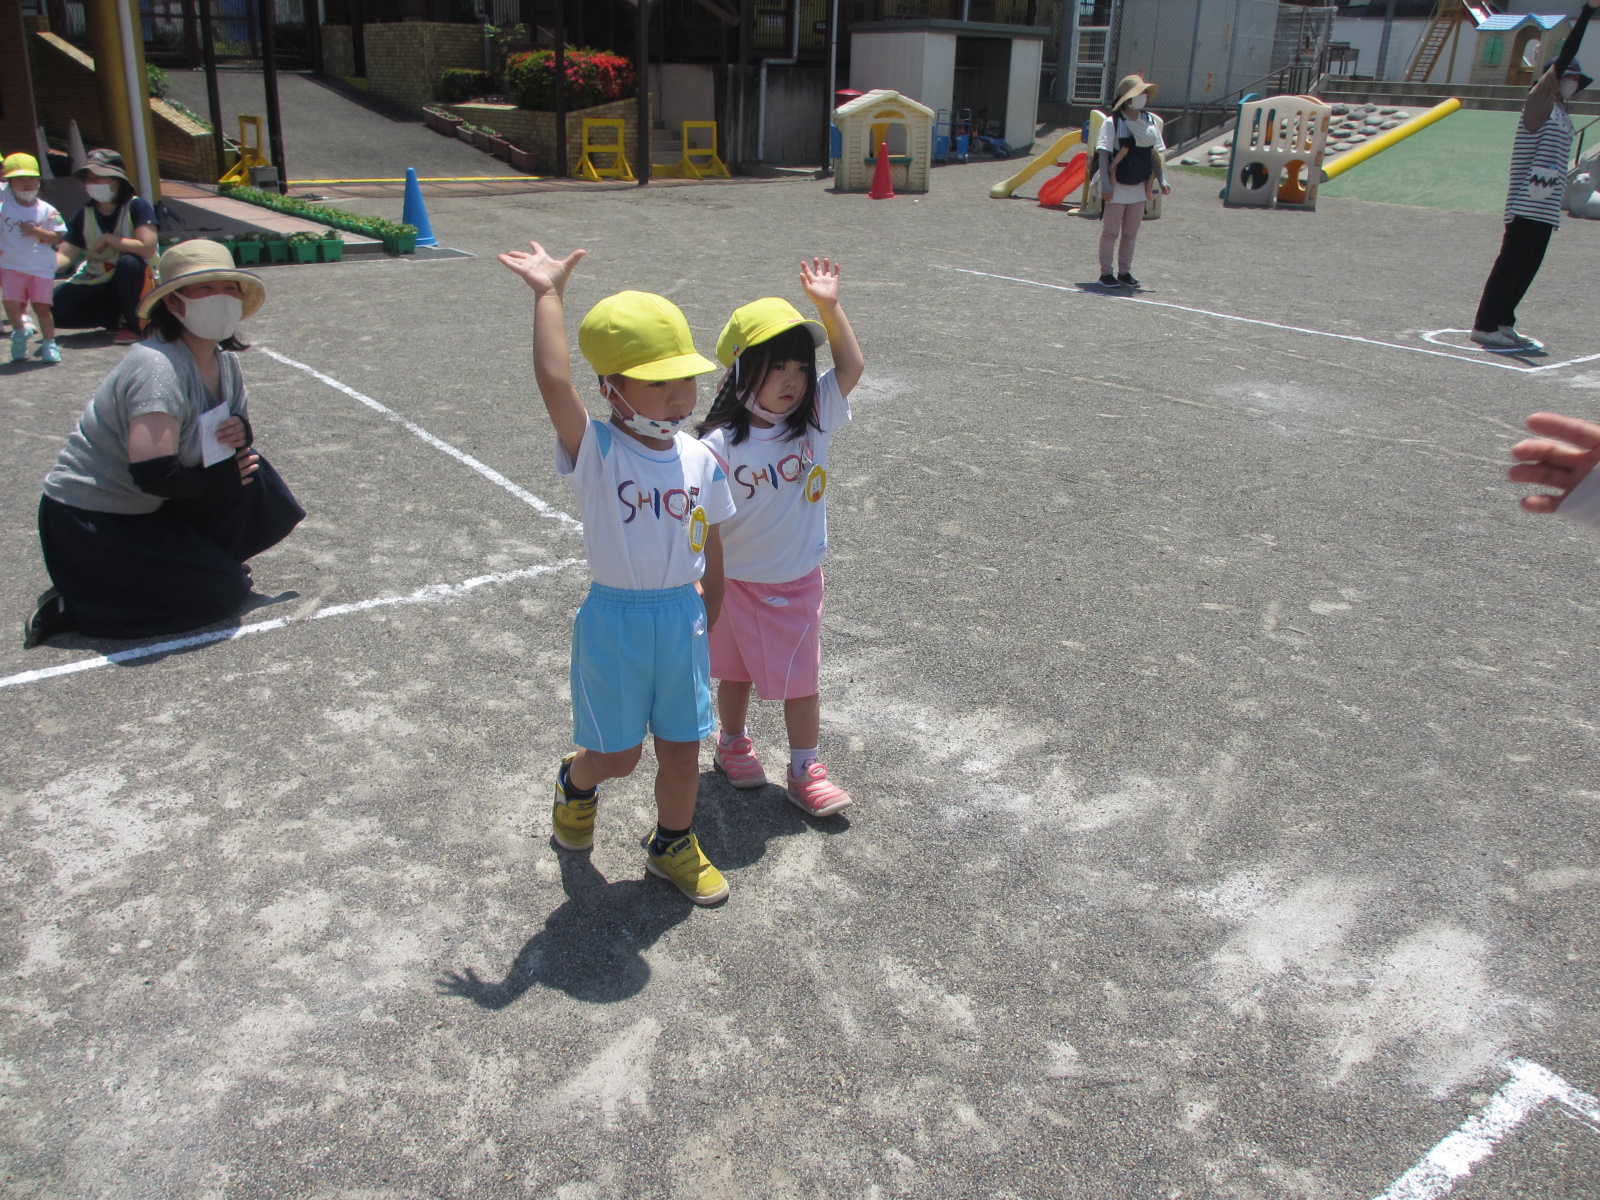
(140,535)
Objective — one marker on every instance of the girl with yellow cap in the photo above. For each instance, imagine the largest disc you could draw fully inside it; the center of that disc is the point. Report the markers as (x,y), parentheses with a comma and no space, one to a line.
(770,427)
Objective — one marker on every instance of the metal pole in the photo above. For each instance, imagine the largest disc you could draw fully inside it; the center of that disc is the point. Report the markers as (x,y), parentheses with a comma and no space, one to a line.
(208,55)
(560,61)
(833,87)
(1383,42)
(644,92)
(1194,49)
(269,76)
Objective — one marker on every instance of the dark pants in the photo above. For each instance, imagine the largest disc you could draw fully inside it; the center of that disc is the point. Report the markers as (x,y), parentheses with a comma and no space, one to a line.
(178,568)
(112,305)
(1521,253)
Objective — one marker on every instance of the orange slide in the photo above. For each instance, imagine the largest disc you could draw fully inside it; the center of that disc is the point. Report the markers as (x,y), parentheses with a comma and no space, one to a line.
(1064,184)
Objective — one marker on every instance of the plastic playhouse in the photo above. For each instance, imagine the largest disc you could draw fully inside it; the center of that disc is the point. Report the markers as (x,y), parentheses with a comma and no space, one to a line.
(1277,153)
(1279,144)
(863,125)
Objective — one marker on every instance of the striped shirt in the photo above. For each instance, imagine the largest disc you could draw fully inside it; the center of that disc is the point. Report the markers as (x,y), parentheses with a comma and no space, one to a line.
(1539,169)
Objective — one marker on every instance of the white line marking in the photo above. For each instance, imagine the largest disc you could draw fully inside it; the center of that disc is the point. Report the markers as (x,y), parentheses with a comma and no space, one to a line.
(1452,1160)
(424,595)
(521,493)
(1343,337)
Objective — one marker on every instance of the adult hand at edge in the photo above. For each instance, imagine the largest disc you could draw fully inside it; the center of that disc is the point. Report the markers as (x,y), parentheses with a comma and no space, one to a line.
(1561,457)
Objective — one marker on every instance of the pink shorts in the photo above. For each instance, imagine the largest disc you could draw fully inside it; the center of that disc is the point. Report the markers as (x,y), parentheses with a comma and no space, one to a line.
(770,634)
(21,288)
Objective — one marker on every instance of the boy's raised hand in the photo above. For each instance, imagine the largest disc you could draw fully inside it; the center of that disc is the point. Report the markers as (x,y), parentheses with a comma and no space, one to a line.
(820,279)
(1561,457)
(541,270)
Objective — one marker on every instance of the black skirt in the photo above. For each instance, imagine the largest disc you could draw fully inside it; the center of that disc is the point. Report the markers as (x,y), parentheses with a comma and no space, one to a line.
(142,575)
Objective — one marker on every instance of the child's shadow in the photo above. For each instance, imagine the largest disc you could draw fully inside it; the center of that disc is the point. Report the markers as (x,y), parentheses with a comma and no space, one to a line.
(591,947)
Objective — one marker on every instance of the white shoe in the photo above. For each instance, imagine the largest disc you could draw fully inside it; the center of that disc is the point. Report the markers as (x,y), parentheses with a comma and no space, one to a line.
(1526,342)
(1497,340)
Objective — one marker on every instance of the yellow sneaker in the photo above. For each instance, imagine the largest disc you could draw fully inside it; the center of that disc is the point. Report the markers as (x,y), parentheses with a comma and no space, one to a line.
(572,821)
(684,865)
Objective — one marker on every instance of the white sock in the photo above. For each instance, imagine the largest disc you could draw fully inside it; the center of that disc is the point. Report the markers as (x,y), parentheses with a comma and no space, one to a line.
(724,737)
(799,760)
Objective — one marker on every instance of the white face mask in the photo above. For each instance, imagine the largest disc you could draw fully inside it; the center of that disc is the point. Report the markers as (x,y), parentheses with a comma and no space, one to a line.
(24,197)
(1569,88)
(1137,103)
(212,317)
(639,423)
(100,193)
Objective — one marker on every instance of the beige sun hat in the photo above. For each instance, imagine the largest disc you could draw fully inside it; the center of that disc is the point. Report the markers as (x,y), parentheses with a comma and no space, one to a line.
(1131,86)
(202,261)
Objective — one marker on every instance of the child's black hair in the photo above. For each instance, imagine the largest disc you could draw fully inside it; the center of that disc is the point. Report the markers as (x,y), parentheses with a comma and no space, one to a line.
(728,411)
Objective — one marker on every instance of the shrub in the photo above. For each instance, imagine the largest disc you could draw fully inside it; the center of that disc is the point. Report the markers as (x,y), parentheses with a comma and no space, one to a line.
(459,83)
(593,77)
(155,80)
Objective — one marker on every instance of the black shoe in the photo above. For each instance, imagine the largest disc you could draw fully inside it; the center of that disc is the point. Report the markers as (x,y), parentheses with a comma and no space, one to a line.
(1126,279)
(1108,280)
(49,619)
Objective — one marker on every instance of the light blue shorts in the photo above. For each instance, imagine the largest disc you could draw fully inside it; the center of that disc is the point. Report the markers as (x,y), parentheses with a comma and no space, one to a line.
(640,663)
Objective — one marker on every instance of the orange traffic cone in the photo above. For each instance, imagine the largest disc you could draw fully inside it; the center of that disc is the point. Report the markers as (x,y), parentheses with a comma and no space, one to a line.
(881,188)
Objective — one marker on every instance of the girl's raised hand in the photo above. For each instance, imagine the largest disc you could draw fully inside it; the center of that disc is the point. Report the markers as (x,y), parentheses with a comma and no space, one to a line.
(820,279)
(540,270)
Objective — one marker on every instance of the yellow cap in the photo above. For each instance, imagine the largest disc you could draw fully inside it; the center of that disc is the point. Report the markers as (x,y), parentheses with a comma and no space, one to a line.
(20,166)
(759,320)
(642,336)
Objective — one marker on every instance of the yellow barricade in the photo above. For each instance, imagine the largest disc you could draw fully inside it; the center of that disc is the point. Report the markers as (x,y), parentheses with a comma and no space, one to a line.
(586,165)
(249,152)
(698,162)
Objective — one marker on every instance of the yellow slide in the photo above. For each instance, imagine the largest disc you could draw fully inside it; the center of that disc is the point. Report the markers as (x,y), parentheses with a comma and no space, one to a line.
(1054,156)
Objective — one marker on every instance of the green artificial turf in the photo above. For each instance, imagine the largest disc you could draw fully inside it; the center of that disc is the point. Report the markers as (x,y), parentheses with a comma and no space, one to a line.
(1459,163)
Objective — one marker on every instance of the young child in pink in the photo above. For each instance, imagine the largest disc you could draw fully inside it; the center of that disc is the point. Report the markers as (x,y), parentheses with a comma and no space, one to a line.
(30,228)
(769,428)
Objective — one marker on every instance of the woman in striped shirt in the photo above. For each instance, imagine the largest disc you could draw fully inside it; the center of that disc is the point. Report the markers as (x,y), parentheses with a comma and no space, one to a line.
(1539,160)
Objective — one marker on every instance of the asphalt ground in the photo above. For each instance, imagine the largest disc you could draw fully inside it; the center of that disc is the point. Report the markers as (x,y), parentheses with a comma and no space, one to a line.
(1221,734)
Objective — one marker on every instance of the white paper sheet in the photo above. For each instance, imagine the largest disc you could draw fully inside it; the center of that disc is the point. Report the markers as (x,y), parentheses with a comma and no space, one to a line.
(212,451)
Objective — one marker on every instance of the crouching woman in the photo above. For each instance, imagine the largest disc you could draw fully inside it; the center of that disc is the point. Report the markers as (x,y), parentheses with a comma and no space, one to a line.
(158,499)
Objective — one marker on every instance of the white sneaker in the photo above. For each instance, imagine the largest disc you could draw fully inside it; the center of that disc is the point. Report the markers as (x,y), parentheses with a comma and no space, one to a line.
(1497,340)
(1523,340)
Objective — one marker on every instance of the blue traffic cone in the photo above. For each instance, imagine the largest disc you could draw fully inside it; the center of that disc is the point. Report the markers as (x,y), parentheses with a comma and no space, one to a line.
(416,212)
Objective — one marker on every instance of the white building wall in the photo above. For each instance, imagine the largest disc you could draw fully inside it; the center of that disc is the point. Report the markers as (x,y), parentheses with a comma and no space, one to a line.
(1233,47)
(897,61)
(1366,34)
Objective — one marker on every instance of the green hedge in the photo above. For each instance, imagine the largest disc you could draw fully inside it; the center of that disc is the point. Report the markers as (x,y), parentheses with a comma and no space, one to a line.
(395,235)
(593,77)
(459,83)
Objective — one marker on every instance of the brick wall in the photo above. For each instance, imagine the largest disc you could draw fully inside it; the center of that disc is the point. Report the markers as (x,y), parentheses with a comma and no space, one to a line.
(536,131)
(64,90)
(338,51)
(404,59)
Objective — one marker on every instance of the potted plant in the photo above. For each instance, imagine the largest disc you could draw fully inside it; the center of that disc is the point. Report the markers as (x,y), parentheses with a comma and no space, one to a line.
(247,249)
(499,146)
(481,136)
(523,160)
(449,123)
(276,248)
(465,130)
(331,247)
(303,245)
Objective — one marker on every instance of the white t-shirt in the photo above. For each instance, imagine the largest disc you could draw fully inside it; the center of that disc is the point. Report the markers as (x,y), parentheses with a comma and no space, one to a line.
(18,251)
(639,506)
(780,531)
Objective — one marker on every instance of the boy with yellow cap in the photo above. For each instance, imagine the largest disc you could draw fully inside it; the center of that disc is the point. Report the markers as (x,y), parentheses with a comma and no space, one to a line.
(651,497)
(30,228)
